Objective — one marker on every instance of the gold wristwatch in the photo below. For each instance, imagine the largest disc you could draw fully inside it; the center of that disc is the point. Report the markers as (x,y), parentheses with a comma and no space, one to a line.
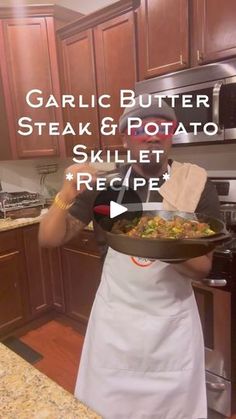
(60,203)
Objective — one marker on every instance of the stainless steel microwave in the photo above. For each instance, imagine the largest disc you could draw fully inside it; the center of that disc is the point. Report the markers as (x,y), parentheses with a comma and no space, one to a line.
(215,81)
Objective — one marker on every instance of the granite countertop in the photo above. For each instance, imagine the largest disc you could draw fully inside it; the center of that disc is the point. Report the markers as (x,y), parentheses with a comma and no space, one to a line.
(26,393)
(9,224)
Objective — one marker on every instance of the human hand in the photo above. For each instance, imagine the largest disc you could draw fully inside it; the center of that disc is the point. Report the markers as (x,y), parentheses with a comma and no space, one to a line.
(69,189)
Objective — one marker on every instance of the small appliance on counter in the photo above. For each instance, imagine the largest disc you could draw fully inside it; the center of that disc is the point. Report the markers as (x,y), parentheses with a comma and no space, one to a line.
(216,299)
(20,204)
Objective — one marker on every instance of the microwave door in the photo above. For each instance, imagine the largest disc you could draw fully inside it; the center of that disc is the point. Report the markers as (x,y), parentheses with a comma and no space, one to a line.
(228,108)
(204,114)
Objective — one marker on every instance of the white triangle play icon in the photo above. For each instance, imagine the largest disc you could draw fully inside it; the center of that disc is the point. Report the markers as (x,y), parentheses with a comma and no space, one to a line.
(116,209)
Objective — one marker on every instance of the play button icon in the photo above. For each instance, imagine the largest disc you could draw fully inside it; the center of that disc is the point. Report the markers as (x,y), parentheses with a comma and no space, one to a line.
(108,207)
(116,209)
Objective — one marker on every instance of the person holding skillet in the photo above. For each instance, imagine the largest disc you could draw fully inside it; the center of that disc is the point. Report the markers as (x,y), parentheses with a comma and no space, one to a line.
(143,355)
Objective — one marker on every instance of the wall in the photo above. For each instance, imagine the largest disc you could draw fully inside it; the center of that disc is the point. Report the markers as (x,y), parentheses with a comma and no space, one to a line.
(22,175)
(213,157)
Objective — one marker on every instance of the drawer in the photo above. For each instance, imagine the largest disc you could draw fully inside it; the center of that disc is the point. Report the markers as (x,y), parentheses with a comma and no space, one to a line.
(85,241)
(9,240)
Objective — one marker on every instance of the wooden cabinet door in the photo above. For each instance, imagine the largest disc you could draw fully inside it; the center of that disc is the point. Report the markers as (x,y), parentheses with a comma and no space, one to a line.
(29,62)
(38,272)
(81,276)
(116,67)
(58,298)
(216,29)
(163,34)
(5,146)
(12,302)
(79,79)
(14,309)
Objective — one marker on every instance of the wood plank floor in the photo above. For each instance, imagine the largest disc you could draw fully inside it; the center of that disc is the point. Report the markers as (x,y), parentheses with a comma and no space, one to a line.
(60,342)
(61,346)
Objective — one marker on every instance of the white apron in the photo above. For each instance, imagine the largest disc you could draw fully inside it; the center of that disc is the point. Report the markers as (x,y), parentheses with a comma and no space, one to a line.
(143,355)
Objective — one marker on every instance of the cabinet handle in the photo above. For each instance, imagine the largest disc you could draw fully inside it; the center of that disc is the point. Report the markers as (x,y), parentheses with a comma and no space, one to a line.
(182,61)
(218,387)
(221,282)
(199,56)
(85,241)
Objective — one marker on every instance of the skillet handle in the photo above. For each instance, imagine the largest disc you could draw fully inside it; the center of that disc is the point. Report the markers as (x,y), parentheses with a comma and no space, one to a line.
(209,240)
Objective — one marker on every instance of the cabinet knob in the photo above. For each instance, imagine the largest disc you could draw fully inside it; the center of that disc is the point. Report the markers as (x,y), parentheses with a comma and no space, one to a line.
(85,241)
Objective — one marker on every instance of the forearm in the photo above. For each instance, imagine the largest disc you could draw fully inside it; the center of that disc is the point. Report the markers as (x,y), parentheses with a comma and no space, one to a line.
(52,229)
(197,268)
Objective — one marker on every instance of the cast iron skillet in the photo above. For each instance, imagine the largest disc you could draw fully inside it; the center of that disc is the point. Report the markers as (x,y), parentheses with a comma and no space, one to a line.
(171,250)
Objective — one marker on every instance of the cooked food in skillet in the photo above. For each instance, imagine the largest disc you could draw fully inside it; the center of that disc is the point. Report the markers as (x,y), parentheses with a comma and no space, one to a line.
(157,227)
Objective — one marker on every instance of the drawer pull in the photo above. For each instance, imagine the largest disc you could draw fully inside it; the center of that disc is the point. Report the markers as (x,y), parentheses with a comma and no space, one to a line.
(85,241)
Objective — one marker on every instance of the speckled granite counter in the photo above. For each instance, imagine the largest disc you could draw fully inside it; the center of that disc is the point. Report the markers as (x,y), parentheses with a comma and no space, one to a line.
(26,393)
(9,224)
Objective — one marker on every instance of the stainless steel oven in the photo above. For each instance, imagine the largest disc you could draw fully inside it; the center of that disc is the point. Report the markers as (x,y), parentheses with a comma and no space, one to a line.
(214,82)
(216,300)
(214,304)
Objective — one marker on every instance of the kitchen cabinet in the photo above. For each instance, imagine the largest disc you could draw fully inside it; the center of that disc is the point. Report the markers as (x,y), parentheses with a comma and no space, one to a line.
(38,272)
(28,61)
(115,49)
(82,267)
(98,56)
(163,37)
(34,281)
(215,30)
(63,16)
(13,286)
(57,286)
(79,78)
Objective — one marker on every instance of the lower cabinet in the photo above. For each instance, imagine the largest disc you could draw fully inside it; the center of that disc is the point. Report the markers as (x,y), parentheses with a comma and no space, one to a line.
(57,286)
(13,284)
(82,269)
(35,280)
(38,272)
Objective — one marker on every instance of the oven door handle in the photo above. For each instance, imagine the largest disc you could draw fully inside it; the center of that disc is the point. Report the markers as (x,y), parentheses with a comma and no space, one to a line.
(217,387)
(216,105)
(222,282)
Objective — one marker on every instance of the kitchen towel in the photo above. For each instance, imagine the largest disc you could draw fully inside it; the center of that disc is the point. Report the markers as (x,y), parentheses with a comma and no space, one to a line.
(183,190)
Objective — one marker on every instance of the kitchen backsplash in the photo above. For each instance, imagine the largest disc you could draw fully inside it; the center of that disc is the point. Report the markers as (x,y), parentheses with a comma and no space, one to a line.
(22,175)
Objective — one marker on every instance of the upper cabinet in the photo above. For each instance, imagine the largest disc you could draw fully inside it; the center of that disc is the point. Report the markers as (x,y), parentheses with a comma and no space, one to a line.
(98,56)
(28,61)
(79,79)
(163,35)
(215,29)
(116,66)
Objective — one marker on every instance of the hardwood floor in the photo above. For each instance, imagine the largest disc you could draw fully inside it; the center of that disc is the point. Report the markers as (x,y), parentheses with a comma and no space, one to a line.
(61,346)
(60,342)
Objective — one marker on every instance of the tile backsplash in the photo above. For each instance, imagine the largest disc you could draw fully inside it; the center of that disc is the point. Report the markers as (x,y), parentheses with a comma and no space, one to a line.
(21,175)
